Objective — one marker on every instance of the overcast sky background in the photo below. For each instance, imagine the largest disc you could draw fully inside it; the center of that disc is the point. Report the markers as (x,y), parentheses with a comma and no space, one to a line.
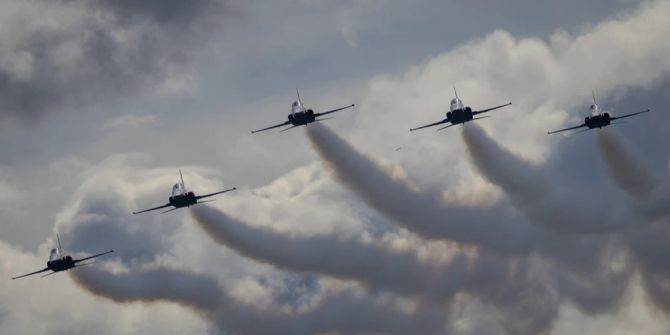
(101,102)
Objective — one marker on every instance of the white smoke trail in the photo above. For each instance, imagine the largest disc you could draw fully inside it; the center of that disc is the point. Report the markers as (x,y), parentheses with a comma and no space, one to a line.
(486,276)
(495,227)
(343,313)
(625,167)
(344,258)
(541,196)
(633,175)
(578,262)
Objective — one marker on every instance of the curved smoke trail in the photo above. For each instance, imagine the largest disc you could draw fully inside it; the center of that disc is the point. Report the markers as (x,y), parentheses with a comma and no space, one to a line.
(344,258)
(339,313)
(506,284)
(494,227)
(582,261)
(625,167)
(633,175)
(537,194)
(425,214)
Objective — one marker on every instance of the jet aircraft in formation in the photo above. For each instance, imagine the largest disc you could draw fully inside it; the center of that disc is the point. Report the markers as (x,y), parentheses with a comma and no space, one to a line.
(459,114)
(60,262)
(597,118)
(300,116)
(180,197)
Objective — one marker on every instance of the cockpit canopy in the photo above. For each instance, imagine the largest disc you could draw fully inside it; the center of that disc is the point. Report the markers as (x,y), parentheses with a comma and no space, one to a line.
(594,110)
(296,107)
(178,189)
(54,255)
(455,104)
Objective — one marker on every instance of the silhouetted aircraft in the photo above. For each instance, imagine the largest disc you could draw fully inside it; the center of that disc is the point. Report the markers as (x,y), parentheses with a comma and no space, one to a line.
(59,262)
(597,118)
(459,114)
(182,198)
(301,116)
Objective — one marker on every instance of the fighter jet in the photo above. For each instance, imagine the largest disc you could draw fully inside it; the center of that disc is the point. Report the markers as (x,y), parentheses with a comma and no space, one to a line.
(597,118)
(459,114)
(60,262)
(300,116)
(182,198)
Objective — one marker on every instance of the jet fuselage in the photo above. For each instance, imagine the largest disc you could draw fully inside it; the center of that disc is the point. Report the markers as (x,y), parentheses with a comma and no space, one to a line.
(597,121)
(461,115)
(183,200)
(61,264)
(302,118)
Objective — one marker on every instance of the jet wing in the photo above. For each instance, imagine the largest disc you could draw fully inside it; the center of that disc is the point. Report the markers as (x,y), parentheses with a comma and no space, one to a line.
(571,128)
(272,127)
(94,256)
(629,115)
(32,273)
(153,209)
(490,109)
(430,125)
(215,193)
(333,110)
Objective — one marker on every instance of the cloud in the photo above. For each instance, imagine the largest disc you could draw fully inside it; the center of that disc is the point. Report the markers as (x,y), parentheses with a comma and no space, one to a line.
(68,54)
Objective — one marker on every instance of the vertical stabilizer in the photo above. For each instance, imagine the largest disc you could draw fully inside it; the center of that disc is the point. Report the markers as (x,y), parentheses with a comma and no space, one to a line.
(60,249)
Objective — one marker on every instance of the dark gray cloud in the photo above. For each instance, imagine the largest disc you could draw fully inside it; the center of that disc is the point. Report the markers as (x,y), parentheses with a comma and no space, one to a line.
(101,51)
(178,14)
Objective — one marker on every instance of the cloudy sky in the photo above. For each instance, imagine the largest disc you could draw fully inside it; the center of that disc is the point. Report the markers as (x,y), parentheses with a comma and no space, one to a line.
(493,227)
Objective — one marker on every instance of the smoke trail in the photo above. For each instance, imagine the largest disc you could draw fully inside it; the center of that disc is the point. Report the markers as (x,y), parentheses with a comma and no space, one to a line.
(494,227)
(424,214)
(498,281)
(625,166)
(184,288)
(632,175)
(580,261)
(340,313)
(543,201)
(345,258)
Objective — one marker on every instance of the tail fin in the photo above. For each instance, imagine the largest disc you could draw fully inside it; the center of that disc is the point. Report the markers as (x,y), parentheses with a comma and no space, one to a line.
(182,179)
(60,249)
(298,93)
(455,93)
(593,93)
